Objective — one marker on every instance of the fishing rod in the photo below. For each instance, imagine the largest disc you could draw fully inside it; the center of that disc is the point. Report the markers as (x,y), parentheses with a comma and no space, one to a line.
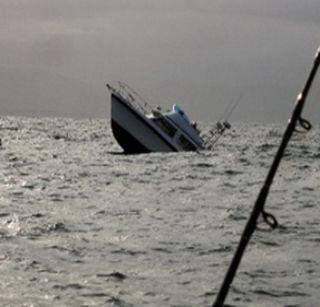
(263,194)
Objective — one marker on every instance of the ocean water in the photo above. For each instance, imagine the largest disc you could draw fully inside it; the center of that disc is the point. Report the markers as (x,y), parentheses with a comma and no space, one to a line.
(83,225)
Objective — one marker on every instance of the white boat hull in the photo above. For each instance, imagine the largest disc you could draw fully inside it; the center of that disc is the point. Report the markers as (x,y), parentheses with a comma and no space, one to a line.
(134,133)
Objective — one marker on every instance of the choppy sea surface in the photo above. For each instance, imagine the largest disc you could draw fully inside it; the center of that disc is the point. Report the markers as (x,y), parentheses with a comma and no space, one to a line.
(83,225)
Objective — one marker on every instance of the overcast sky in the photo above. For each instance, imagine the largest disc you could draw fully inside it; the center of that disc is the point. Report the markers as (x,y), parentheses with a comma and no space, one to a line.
(57,55)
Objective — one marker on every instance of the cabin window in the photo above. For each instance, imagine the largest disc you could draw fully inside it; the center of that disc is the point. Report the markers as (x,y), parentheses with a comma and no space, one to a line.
(165,126)
(185,143)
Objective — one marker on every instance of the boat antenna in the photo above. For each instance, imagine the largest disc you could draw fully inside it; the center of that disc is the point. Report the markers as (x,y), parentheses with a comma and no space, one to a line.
(262,196)
(222,124)
(230,108)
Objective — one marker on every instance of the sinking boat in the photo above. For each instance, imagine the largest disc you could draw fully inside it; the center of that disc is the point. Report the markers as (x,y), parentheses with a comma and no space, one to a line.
(140,128)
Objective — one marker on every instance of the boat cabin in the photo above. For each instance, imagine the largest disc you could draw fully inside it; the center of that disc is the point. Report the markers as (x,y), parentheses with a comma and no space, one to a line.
(177,125)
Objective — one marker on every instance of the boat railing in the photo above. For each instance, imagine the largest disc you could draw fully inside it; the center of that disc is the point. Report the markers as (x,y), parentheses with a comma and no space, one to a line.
(213,135)
(130,95)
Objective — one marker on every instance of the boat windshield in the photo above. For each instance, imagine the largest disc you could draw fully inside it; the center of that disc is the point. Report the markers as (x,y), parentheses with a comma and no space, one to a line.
(165,126)
(177,110)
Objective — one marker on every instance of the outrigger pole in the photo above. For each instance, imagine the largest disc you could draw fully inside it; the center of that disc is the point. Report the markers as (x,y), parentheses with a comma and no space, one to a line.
(262,196)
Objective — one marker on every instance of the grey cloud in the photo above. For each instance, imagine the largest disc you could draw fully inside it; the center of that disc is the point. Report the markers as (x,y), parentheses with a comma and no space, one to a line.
(200,54)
